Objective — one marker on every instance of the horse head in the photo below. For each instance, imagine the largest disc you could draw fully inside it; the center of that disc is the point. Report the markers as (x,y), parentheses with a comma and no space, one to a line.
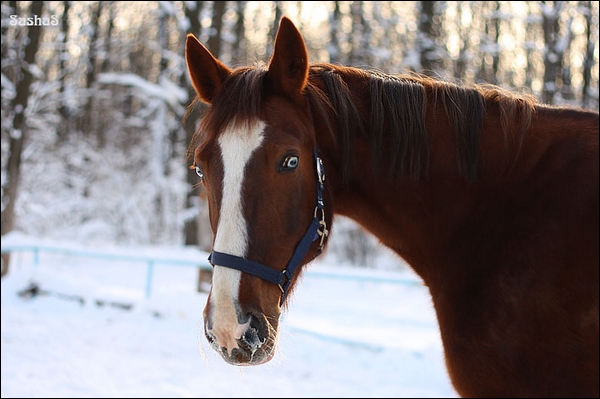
(256,156)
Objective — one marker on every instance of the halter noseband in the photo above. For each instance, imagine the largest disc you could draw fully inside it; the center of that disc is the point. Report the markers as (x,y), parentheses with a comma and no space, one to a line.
(316,230)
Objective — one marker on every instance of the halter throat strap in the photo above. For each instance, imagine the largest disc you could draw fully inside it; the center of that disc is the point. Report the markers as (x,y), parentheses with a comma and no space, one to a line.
(317,230)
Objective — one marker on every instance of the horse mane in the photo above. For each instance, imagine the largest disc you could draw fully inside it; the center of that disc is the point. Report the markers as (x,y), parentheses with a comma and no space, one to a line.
(398,105)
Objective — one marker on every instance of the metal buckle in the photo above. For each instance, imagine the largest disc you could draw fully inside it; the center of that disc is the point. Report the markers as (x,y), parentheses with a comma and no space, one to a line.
(322,229)
(323,233)
(320,171)
(283,282)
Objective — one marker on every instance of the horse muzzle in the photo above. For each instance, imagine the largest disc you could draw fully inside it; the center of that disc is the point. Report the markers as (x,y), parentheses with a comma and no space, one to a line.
(246,344)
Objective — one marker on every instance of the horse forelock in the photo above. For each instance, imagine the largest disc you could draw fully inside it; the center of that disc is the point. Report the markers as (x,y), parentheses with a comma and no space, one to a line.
(237,105)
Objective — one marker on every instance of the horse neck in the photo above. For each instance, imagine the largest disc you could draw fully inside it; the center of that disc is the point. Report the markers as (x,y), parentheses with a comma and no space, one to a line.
(417,217)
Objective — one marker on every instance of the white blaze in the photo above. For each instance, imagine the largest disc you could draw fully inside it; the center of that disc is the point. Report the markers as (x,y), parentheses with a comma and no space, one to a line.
(237,147)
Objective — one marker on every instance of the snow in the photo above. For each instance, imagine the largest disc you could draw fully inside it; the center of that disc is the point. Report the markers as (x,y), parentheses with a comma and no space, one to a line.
(91,332)
(166,91)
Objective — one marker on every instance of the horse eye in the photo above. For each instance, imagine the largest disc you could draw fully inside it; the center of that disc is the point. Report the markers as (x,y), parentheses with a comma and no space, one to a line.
(289,163)
(200,173)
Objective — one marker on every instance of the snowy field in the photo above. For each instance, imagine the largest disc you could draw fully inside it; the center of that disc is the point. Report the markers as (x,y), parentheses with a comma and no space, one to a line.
(91,332)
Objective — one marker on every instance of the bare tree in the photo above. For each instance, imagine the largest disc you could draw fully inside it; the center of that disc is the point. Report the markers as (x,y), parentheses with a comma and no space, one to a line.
(490,54)
(203,230)
(195,209)
(591,34)
(64,110)
(277,14)
(19,129)
(87,120)
(360,35)
(216,28)
(532,34)
(335,22)
(464,33)
(239,48)
(553,55)
(429,39)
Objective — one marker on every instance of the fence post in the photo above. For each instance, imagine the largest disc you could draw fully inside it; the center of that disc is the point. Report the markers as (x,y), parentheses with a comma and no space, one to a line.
(36,256)
(149,278)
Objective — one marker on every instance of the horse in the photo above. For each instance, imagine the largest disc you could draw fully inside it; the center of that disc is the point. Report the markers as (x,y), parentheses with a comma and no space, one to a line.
(490,196)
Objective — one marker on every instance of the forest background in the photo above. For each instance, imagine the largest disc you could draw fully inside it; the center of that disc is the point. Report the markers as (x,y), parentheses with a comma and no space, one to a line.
(94,94)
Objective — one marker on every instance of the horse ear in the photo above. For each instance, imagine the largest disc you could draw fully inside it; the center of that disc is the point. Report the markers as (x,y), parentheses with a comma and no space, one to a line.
(206,72)
(288,68)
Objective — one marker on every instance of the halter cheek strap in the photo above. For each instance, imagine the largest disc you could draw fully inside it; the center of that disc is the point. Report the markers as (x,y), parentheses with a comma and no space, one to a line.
(317,230)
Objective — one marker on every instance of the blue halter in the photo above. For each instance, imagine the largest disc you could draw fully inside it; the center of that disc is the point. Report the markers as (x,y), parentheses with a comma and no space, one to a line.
(316,230)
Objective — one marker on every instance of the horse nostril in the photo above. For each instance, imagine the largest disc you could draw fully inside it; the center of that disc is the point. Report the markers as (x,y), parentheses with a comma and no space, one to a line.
(210,338)
(251,337)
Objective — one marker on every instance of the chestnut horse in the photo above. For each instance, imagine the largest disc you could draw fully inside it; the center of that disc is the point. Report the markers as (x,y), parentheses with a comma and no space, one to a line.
(490,197)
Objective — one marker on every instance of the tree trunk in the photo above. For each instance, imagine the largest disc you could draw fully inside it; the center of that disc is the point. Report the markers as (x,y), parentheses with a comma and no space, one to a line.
(18,131)
(191,227)
(197,229)
(431,58)
(360,53)
(552,56)
(588,61)
(12,10)
(335,23)
(274,27)
(204,230)
(214,37)
(530,39)
(64,110)
(239,51)
(462,61)
(89,122)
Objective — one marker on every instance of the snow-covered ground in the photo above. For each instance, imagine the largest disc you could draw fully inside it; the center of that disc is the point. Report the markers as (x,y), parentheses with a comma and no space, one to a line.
(91,332)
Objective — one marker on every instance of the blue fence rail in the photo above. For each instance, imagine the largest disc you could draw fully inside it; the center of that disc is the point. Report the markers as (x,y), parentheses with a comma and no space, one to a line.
(200,261)
(149,260)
